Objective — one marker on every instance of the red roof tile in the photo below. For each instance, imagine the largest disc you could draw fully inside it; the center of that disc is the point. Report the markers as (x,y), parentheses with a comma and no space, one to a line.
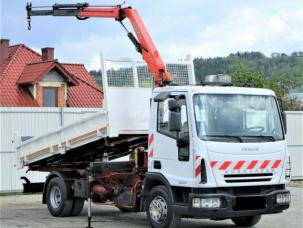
(80,72)
(22,62)
(87,93)
(34,72)
(11,94)
(12,51)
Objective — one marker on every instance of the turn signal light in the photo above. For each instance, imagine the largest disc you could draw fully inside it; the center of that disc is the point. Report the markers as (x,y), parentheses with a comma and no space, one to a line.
(283,198)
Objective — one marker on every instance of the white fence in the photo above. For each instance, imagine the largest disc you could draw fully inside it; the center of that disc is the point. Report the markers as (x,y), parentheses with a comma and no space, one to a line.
(28,122)
(36,121)
(295,143)
(125,72)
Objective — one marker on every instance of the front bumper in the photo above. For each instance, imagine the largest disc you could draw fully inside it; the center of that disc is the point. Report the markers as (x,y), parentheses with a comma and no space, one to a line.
(234,206)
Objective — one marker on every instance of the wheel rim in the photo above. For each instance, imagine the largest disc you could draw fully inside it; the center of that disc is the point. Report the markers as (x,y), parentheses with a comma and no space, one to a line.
(158,209)
(55,197)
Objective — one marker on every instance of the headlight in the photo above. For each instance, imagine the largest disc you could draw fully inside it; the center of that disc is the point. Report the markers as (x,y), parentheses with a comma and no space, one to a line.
(210,202)
(283,198)
(196,202)
(206,202)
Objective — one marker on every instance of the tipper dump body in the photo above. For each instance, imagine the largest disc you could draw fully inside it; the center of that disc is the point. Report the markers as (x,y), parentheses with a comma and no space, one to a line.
(123,120)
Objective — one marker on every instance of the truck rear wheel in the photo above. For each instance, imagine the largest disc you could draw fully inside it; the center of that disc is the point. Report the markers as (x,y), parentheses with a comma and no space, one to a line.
(57,200)
(246,221)
(159,210)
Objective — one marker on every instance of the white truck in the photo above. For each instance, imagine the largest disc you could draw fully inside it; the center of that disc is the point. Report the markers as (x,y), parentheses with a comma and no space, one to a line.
(209,151)
(213,152)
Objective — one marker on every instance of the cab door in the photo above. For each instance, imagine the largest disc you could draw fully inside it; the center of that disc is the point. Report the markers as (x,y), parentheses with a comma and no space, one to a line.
(171,155)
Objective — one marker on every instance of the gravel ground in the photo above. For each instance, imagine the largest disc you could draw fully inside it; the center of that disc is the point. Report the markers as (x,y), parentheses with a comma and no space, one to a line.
(27,211)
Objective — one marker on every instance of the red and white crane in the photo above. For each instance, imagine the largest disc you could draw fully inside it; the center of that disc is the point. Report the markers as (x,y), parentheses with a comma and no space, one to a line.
(143,41)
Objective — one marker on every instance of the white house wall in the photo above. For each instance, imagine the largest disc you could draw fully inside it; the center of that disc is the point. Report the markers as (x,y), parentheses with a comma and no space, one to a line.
(29,122)
(295,143)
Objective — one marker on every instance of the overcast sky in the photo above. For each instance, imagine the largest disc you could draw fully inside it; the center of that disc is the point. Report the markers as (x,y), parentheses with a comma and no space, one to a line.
(206,28)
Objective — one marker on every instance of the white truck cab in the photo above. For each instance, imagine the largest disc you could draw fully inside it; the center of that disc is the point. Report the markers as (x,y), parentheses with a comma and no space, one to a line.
(221,149)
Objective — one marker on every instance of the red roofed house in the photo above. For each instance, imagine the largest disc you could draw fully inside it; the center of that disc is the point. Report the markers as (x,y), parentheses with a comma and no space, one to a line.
(28,79)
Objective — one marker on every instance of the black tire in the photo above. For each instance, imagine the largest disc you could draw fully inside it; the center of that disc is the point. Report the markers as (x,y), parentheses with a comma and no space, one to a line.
(171,220)
(62,208)
(77,206)
(247,221)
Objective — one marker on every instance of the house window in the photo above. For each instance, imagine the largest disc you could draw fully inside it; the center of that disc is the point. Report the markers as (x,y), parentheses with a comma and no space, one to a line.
(50,97)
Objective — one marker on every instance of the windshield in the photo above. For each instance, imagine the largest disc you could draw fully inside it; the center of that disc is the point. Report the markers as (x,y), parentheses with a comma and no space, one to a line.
(237,118)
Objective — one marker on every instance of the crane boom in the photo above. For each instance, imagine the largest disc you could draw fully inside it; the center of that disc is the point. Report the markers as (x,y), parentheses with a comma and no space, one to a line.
(143,42)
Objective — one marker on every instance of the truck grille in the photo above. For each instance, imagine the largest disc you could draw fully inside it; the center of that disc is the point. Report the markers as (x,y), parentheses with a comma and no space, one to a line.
(248,177)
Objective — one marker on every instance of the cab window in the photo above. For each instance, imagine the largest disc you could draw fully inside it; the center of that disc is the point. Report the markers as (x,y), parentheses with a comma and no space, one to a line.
(163,114)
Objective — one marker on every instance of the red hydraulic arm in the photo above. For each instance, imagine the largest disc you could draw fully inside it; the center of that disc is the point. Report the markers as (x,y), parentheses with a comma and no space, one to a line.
(143,42)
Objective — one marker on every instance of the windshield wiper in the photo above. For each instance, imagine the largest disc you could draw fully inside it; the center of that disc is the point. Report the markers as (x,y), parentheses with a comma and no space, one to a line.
(269,137)
(227,136)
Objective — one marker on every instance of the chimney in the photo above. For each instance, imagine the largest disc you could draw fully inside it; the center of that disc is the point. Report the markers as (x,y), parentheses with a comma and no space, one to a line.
(47,53)
(4,49)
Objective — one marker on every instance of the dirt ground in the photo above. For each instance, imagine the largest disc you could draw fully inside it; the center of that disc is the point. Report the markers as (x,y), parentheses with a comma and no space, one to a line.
(27,211)
(297,184)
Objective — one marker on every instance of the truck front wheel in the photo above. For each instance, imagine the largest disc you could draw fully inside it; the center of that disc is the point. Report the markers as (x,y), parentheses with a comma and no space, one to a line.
(159,210)
(57,200)
(247,221)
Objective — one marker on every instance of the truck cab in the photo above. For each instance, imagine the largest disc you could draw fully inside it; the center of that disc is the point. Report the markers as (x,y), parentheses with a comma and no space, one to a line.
(221,152)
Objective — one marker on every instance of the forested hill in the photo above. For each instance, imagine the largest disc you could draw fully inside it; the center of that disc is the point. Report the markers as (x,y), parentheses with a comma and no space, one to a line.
(279,65)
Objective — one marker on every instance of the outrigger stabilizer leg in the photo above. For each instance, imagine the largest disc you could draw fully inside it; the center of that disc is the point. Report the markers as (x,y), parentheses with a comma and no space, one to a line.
(89,199)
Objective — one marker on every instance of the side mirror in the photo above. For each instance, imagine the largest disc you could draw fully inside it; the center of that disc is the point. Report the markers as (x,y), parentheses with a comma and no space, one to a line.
(283,114)
(174,122)
(182,142)
(174,105)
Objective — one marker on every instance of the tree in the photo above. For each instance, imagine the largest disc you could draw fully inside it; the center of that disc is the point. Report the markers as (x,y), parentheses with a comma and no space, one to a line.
(292,104)
(97,76)
(245,78)
(287,66)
